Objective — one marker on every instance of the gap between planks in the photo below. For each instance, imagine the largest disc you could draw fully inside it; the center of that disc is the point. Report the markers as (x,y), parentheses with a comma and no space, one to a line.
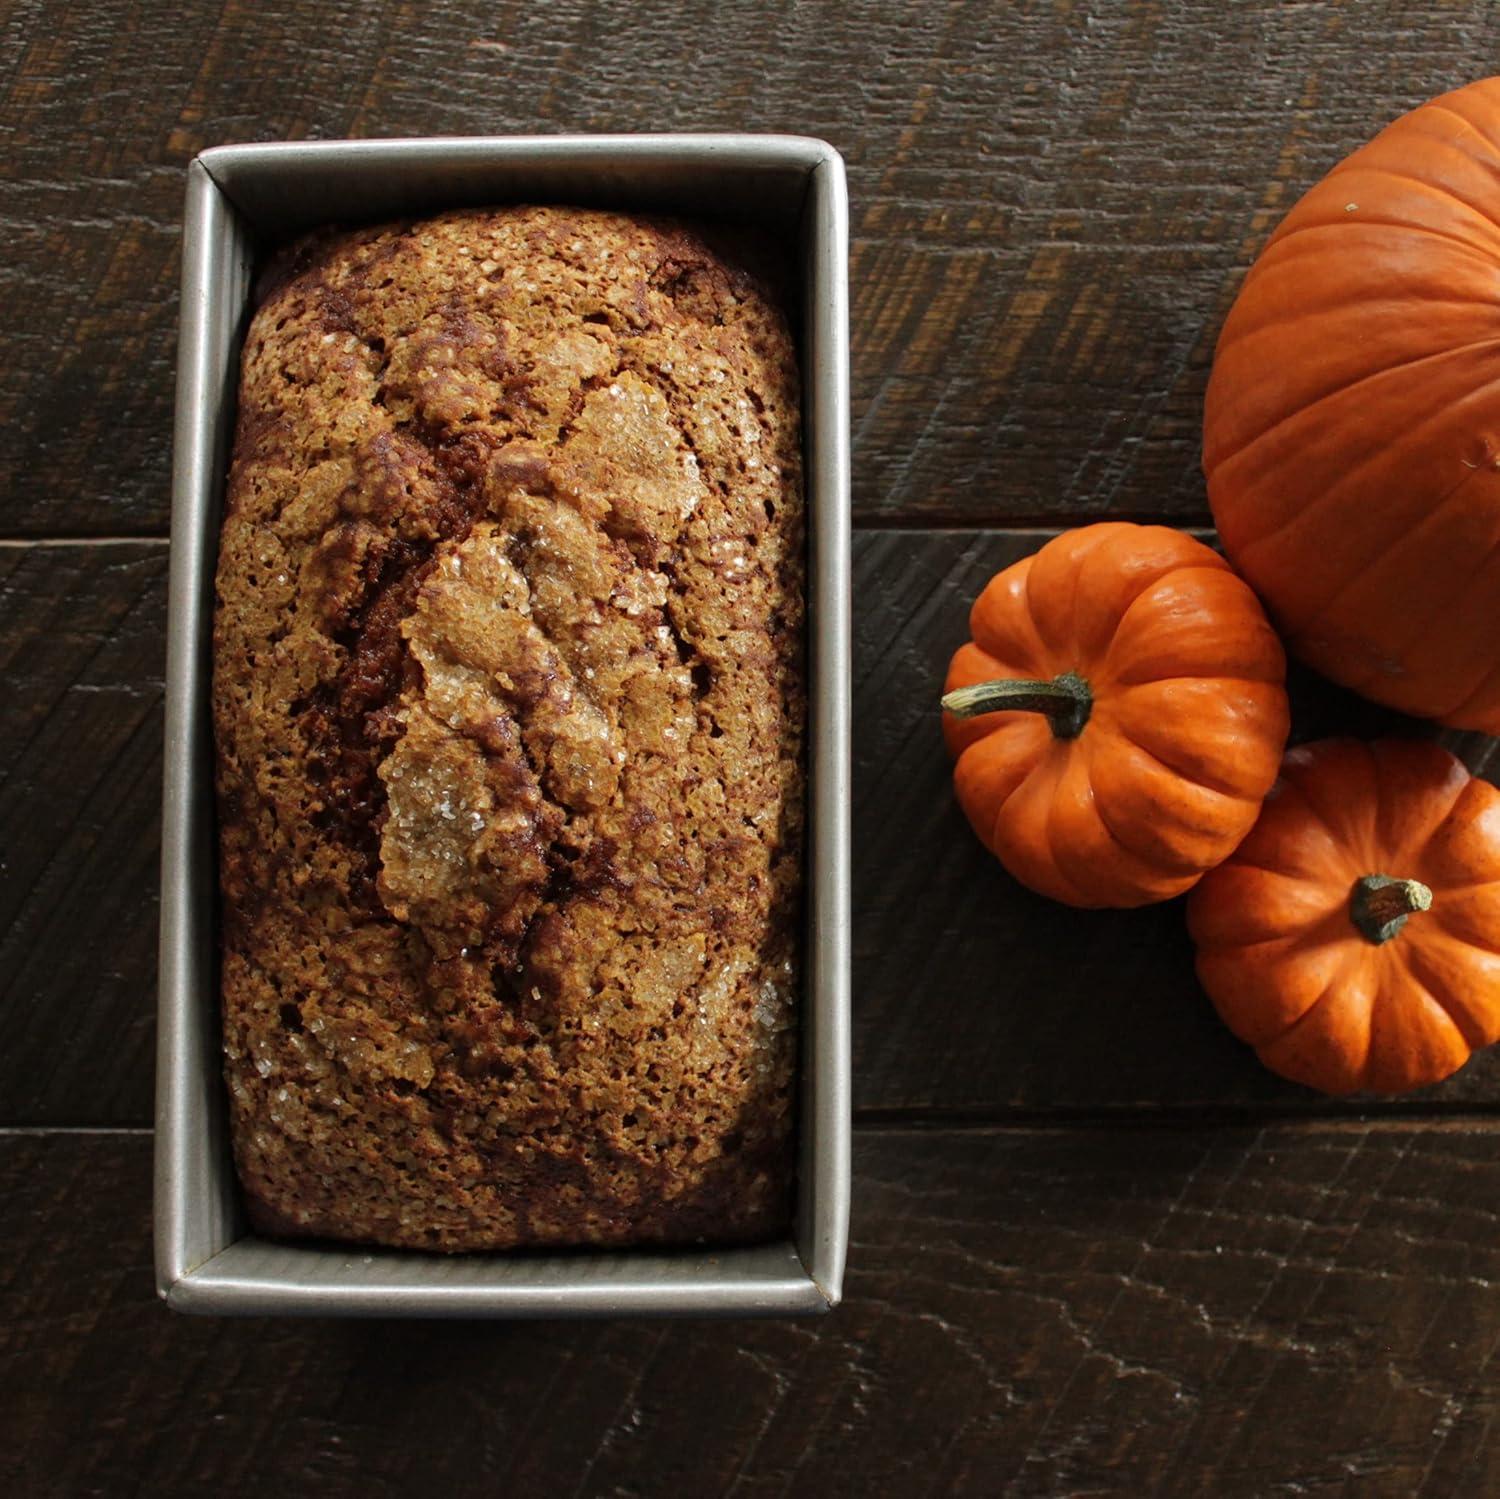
(1395,1115)
(951,521)
(22,543)
(1392,1117)
(940,521)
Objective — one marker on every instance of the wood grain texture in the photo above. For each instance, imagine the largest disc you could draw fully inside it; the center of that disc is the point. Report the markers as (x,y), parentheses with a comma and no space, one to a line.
(81,654)
(1306,1310)
(971,993)
(1052,202)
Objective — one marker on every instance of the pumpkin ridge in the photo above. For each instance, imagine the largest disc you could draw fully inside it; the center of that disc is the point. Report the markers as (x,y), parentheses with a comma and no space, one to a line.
(1056,841)
(976,746)
(1150,857)
(1080,546)
(1358,841)
(1174,867)
(1311,403)
(1192,676)
(1436,188)
(1320,921)
(1289,944)
(1434,511)
(1112,683)
(1182,775)
(1380,544)
(1381,853)
(1145,596)
(1077,894)
(1409,960)
(1334,985)
(1209,814)
(1336,226)
(1196,556)
(1439,189)
(1437,1018)
(1452,933)
(1391,767)
(1442,106)
(1101,892)
(1330,929)
(1453,597)
(1467,887)
(1241,862)
(994,597)
(1338,301)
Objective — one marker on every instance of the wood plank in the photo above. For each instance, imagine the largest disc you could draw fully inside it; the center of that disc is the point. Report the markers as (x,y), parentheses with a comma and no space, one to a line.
(81,652)
(971,993)
(1239,1312)
(1052,203)
(973,997)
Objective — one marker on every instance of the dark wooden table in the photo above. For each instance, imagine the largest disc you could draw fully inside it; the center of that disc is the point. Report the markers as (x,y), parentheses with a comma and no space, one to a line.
(1095,1248)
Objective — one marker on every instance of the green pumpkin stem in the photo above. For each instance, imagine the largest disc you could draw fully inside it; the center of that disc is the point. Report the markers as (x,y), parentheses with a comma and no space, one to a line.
(1066,701)
(1379,905)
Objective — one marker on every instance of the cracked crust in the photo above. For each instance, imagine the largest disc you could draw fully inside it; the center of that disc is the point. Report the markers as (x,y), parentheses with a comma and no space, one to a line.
(509,712)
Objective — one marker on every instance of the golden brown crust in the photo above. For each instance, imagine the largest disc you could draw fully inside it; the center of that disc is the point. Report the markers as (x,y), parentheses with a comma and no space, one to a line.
(509,711)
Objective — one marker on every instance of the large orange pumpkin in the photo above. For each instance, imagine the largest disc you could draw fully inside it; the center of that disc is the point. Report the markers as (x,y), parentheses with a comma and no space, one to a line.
(1352,428)
(1118,715)
(1353,938)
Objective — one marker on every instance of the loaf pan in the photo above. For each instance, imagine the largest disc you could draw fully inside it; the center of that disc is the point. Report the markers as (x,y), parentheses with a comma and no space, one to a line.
(239,199)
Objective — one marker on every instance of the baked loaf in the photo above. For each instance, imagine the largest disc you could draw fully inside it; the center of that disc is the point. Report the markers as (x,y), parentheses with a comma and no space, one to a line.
(509,706)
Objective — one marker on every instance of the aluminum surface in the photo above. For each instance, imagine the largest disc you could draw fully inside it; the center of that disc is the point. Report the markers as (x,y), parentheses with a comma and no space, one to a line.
(242,196)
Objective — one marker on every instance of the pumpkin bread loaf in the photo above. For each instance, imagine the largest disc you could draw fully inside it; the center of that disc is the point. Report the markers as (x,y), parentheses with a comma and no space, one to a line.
(509,709)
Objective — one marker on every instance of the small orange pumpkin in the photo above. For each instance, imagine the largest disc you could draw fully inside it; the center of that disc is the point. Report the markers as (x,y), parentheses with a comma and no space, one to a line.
(1353,938)
(1118,715)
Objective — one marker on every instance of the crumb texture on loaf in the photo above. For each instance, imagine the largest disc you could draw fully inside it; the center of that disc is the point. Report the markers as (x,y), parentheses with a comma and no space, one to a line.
(509,710)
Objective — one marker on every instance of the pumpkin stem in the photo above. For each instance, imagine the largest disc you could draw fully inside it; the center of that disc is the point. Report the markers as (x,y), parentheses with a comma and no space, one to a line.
(1379,905)
(1066,700)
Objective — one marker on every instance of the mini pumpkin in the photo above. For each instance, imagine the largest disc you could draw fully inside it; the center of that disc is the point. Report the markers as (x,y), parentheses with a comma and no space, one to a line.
(1353,939)
(1351,432)
(1117,716)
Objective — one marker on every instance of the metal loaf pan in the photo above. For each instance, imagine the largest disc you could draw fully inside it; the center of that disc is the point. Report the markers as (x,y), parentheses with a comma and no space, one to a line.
(240,198)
